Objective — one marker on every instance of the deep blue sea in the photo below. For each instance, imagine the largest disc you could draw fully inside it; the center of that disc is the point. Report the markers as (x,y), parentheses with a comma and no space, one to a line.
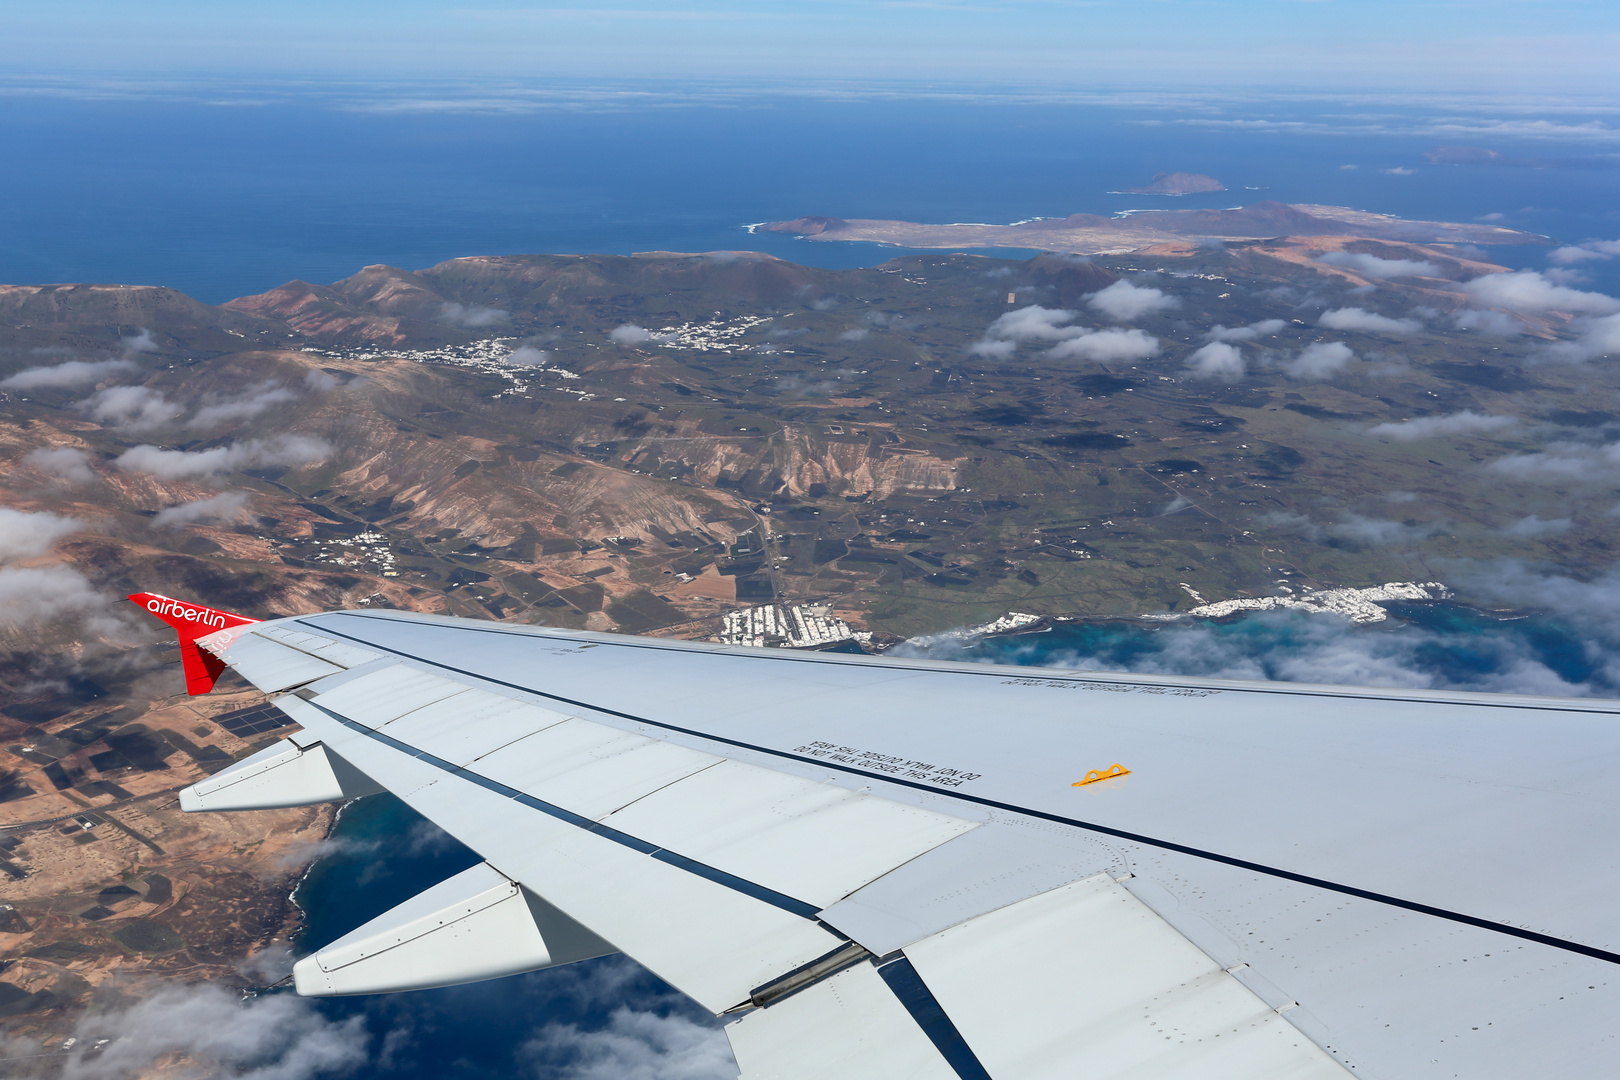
(222,192)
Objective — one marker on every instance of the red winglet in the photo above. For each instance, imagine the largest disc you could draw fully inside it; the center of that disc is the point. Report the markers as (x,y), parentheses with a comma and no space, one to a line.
(192,621)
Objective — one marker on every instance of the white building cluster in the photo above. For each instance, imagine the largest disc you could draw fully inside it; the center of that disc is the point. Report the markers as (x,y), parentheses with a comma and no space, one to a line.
(1358,605)
(716,335)
(796,626)
(367,550)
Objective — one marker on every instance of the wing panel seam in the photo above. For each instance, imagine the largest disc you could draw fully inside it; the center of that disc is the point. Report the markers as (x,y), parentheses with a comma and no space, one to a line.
(742,885)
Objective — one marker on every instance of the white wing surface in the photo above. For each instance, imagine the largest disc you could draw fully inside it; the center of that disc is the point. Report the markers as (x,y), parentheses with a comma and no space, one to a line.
(884,868)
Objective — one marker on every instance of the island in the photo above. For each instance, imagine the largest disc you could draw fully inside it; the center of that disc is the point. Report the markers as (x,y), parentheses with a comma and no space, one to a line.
(1176,183)
(1134,230)
(720,445)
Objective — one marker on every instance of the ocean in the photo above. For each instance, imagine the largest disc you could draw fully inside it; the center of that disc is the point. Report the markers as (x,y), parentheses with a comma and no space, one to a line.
(222,193)
(225,193)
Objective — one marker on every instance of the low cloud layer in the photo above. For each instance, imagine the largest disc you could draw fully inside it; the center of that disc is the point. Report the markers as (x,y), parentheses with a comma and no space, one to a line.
(233,457)
(1106,346)
(244,405)
(1377,269)
(1354,318)
(226,506)
(30,595)
(1122,301)
(1534,527)
(270,1037)
(1322,360)
(526,356)
(1040,324)
(474,318)
(1563,462)
(27,536)
(1466,422)
(633,1046)
(631,334)
(1354,529)
(1529,291)
(1594,339)
(133,408)
(1263,328)
(1571,254)
(140,341)
(68,376)
(68,462)
(1216,362)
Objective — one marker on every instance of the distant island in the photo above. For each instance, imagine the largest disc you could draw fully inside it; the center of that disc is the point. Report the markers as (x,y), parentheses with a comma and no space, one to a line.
(1177,183)
(1093,234)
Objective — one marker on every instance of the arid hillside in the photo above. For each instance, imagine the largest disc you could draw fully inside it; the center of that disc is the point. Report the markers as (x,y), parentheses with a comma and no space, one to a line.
(646,443)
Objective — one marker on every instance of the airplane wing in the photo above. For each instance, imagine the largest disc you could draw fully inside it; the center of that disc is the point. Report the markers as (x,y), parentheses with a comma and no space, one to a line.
(879,867)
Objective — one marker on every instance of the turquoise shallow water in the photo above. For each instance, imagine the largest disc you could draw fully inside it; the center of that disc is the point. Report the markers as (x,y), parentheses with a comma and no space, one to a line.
(1439,646)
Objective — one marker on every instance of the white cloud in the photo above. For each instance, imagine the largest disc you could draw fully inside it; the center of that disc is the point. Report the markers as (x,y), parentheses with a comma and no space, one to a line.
(1466,422)
(634,1046)
(1377,269)
(1595,338)
(853,335)
(226,506)
(1105,346)
(1566,256)
(1527,290)
(1592,249)
(243,406)
(191,464)
(1123,301)
(1033,323)
(1319,361)
(993,349)
(1263,328)
(1216,362)
(1353,528)
(74,373)
(270,1037)
(321,381)
(1497,323)
(68,462)
(474,318)
(526,356)
(1355,318)
(132,407)
(1036,323)
(36,594)
(140,341)
(1379,533)
(1563,461)
(26,536)
(1532,527)
(631,334)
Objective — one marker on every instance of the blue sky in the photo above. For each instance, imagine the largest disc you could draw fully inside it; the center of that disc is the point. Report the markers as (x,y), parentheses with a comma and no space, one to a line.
(1560,47)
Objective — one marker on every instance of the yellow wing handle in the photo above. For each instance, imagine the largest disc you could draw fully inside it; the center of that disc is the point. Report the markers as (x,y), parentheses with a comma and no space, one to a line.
(1116,769)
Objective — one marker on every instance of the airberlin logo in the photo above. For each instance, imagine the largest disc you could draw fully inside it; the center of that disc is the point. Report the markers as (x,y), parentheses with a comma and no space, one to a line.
(166,607)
